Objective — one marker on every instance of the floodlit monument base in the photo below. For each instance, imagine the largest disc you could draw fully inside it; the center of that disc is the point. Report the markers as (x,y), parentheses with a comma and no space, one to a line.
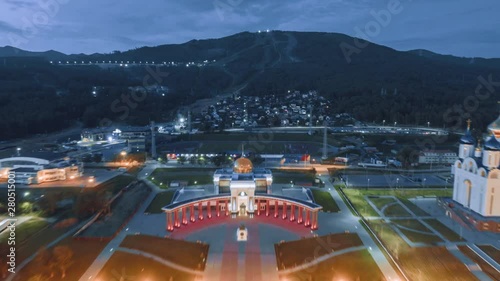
(242,234)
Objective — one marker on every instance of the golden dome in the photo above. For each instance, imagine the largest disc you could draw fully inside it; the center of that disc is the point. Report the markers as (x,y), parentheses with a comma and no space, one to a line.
(243,166)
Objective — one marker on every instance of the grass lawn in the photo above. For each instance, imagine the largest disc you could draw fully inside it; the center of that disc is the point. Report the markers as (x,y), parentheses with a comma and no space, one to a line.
(396,210)
(444,230)
(161,200)
(221,146)
(325,199)
(409,193)
(284,177)
(133,171)
(41,238)
(188,254)
(294,253)
(414,208)
(84,253)
(358,265)
(163,176)
(115,184)
(486,267)
(413,224)
(417,237)
(339,190)
(245,137)
(389,237)
(357,198)
(125,266)
(491,251)
(25,230)
(422,263)
(380,202)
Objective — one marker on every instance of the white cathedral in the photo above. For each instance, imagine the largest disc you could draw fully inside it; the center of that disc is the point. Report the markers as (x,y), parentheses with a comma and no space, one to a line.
(477,174)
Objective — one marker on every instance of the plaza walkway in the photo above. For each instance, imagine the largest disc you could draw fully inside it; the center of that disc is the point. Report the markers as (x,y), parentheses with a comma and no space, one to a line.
(451,246)
(321,259)
(107,252)
(346,220)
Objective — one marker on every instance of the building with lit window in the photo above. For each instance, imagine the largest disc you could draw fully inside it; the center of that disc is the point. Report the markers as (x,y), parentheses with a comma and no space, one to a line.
(38,168)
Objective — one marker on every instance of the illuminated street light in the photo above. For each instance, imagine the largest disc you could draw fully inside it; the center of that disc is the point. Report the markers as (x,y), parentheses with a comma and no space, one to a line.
(26,194)
(123,154)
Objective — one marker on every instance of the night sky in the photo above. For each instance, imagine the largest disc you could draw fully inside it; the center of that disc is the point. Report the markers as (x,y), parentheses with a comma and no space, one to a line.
(458,27)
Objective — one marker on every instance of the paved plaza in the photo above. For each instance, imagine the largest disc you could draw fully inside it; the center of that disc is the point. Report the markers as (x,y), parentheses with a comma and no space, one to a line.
(255,258)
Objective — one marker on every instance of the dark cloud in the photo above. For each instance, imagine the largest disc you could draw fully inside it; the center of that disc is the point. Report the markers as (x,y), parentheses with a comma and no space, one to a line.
(6,28)
(459,27)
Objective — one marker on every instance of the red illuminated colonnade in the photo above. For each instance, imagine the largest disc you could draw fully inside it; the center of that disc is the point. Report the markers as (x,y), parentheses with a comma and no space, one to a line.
(182,213)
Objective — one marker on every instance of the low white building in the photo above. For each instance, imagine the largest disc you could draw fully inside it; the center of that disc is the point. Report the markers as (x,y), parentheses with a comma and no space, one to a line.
(437,157)
(33,170)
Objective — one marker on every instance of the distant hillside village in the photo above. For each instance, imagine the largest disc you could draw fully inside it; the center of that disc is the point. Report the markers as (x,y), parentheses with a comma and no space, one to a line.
(294,109)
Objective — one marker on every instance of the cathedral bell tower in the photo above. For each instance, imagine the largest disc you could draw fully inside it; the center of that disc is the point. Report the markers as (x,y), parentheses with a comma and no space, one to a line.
(467,143)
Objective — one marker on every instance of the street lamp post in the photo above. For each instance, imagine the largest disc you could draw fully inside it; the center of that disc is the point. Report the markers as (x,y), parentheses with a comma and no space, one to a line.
(368,183)
(397,182)
(424,181)
(428,124)
(383,123)
(123,154)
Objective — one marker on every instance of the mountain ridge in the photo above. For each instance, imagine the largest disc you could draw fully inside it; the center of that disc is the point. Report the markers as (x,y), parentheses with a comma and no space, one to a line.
(376,83)
(10,51)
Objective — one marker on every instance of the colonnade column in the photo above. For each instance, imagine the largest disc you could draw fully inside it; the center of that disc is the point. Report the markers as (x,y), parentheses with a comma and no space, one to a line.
(209,210)
(227,208)
(200,211)
(308,218)
(299,219)
(191,213)
(177,223)
(267,207)
(283,213)
(276,208)
(170,225)
(217,208)
(314,224)
(292,213)
(258,207)
(184,216)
